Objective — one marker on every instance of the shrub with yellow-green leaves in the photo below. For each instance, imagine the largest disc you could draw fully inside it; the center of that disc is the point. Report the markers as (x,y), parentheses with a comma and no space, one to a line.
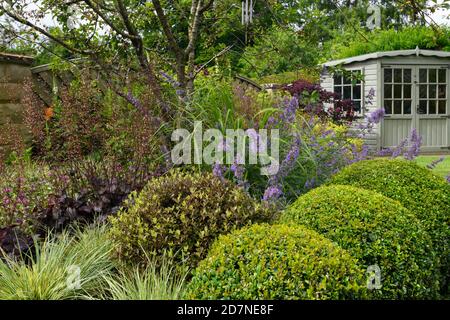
(182,214)
(277,262)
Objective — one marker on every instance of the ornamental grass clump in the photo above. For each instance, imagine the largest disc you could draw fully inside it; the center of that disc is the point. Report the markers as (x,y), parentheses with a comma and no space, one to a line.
(418,189)
(181,213)
(377,231)
(277,262)
(68,266)
(161,279)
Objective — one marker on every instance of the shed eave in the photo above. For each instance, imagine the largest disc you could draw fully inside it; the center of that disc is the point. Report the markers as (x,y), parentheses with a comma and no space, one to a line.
(379,55)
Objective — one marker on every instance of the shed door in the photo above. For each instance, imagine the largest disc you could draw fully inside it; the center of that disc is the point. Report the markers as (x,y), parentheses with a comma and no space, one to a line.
(416,97)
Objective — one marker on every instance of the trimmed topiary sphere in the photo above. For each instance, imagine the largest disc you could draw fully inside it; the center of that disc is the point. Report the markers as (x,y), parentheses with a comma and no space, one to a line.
(416,188)
(181,213)
(377,231)
(277,262)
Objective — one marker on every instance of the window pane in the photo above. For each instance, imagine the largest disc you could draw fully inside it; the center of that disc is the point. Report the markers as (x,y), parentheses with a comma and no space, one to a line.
(432,92)
(388,106)
(397,107)
(442,91)
(398,91)
(423,107)
(442,107)
(442,76)
(398,75)
(407,106)
(357,92)
(348,79)
(357,75)
(423,91)
(347,92)
(388,91)
(432,74)
(407,91)
(407,75)
(388,75)
(337,79)
(432,107)
(338,90)
(423,75)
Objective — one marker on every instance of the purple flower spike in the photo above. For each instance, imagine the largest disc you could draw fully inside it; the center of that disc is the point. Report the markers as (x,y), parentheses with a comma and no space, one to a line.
(415,142)
(272,194)
(218,170)
(376,116)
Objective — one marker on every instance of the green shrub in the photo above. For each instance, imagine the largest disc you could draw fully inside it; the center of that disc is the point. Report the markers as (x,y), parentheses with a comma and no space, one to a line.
(349,44)
(276,262)
(416,188)
(375,230)
(52,272)
(181,213)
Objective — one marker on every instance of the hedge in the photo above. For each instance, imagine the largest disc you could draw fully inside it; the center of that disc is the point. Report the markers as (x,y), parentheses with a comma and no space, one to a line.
(416,188)
(276,262)
(377,231)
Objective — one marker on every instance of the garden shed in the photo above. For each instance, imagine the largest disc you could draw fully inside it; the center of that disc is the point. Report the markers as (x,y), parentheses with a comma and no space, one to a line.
(411,85)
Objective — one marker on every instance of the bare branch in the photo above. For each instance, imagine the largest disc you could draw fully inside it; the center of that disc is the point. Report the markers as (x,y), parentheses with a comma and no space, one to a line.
(193,28)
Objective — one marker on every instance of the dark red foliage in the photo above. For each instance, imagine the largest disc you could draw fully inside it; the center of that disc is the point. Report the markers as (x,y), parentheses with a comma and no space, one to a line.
(95,192)
(100,192)
(328,104)
(13,241)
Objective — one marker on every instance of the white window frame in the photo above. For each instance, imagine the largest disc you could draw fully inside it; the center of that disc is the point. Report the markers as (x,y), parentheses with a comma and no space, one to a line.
(437,99)
(402,83)
(342,85)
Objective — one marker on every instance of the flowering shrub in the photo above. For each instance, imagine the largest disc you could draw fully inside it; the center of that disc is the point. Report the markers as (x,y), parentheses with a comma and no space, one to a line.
(377,231)
(416,188)
(409,148)
(311,150)
(74,128)
(37,199)
(181,213)
(277,262)
(86,121)
(23,189)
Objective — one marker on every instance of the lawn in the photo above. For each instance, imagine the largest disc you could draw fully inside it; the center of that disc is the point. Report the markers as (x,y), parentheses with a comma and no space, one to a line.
(442,169)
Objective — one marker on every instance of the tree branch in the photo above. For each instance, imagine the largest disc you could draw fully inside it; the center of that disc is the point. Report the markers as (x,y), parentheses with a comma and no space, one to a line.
(193,28)
(43,32)
(115,28)
(166,28)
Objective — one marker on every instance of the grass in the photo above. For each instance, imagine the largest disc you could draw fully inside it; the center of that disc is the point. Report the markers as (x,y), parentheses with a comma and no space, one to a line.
(160,280)
(442,169)
(68,266)
(80,265)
